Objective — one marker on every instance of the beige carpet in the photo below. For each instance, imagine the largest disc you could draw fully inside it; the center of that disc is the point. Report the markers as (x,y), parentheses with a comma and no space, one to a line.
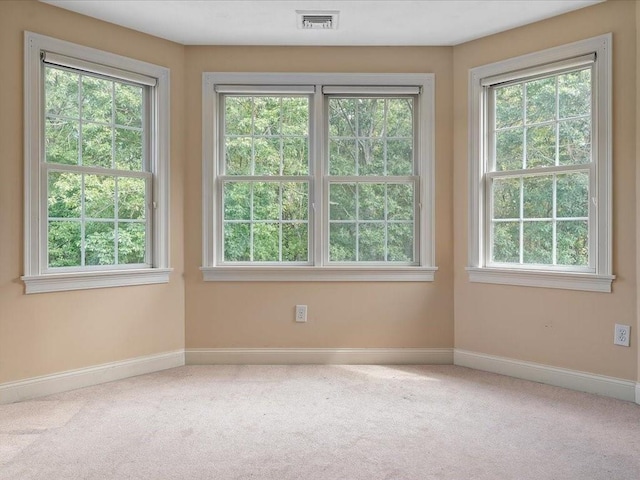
(321,422)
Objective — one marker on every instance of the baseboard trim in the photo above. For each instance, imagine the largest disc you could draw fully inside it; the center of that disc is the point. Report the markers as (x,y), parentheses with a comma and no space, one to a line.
(559,377)
(291,356)
(638,393)
(84,377)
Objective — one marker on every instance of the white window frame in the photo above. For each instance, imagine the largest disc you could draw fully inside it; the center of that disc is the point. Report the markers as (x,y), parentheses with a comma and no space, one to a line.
(598,277)
(38,278)
(317,269)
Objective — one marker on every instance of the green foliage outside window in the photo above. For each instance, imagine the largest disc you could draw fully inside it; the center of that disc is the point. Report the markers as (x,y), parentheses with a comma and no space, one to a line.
(542,217)
(94,123)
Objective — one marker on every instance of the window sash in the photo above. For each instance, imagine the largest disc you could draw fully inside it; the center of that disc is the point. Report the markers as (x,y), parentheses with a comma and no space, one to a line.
(491,174)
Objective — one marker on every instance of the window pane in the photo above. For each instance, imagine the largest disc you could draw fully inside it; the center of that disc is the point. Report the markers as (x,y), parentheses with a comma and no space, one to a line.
(64,244)
(400,117)
(342,157)
(506,198)
(266,201)
(267,156)
(267,116)
(64,195)
(342,201)
(237,242)
(572,195)
(370,157)
(506,242)
(128,145)
(295,116)
(97,100)
(541,100)
(131,198)
(400,204)
(509,149)
(371,242)
(129,103)
(537,242)
(96,145)
(237,201)
(61,141)
(370,116)
(342,117)
(538,197)
(400,157)
(574,92)
(99,196)
(575,142)
(342,242)
(400,242)
(295,201)
(238,156)
(238,115)
(541,146)
(509,109)
(371,201)
(61,93)
(573,243)
(266,239)
(295,242)
(131,242)
(295,156)
(99,243)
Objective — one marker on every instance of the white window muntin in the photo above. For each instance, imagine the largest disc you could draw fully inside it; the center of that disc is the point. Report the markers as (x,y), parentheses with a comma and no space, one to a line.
(567,56)
(64,54)
(318,270)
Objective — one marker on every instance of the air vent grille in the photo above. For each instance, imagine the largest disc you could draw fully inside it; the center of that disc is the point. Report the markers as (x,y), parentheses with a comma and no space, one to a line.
(317,20)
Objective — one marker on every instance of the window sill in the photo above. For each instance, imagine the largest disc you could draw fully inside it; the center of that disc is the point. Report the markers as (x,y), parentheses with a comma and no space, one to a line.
(59,282)
(318,274)
(588,282)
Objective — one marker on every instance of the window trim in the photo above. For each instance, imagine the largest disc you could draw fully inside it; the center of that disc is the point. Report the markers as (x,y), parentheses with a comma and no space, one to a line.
(318,271)
(35,265)
(479,78)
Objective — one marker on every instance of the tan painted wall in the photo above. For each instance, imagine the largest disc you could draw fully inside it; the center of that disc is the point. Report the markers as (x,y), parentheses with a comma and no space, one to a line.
(637,44)
(340,314)
(555,327)
(52,332)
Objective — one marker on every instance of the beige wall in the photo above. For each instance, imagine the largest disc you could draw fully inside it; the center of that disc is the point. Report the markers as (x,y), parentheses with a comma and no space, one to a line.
(46,333)
(637,44)
(346,314)
(555,327)
(52,332)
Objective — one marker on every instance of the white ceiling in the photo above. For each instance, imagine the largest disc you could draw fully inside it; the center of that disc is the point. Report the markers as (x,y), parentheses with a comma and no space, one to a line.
(361,22)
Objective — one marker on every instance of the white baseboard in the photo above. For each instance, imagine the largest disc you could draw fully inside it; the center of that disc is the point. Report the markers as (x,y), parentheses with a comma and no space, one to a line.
(291,356)
(560,377)
(85,377)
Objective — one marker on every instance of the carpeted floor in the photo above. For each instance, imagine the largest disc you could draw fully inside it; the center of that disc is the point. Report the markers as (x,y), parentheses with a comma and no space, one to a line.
(321,422)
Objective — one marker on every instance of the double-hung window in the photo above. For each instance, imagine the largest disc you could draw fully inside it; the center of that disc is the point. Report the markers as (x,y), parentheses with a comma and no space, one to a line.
(96,168)
(540,169)
(318,177)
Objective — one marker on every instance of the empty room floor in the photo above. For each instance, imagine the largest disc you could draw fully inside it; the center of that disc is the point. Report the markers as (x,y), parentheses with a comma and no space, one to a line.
(320,422)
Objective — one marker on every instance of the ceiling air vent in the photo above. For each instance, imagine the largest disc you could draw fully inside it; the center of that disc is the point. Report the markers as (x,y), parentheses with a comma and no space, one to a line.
(321,20)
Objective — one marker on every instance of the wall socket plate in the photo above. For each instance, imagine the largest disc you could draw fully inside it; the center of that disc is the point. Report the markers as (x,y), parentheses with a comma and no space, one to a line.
(621,335)
(301,313)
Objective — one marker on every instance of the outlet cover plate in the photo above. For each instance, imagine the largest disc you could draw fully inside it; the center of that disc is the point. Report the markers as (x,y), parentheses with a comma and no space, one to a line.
(621,335)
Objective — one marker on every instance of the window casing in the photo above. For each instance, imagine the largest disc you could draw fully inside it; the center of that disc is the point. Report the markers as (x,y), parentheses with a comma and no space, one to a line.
(540,169)
(96,168)
(317,177)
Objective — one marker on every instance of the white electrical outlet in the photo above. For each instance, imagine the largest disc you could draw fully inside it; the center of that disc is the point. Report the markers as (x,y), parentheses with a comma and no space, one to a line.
(621,336)
(301,313)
